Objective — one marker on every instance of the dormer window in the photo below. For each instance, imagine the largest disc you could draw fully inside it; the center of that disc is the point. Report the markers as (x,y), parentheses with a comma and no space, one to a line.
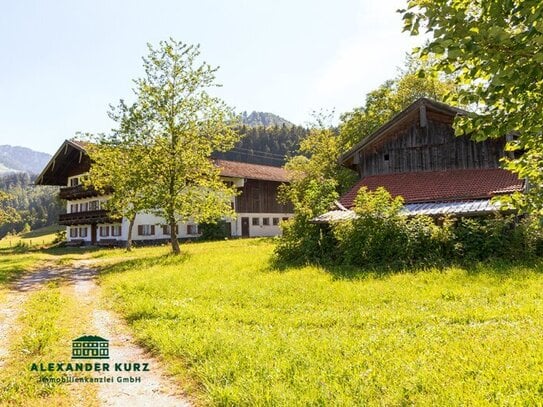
(74,182)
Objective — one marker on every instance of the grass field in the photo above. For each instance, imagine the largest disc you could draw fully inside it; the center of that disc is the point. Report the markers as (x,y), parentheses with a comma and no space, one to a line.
(236,331)
(35,239)
(48,318)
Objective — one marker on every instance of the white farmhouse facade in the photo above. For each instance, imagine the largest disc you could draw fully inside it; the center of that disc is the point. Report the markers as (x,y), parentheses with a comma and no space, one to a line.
(88,222)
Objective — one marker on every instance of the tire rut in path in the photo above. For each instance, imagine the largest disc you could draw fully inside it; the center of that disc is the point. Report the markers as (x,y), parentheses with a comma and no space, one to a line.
(155,387)
(18,292)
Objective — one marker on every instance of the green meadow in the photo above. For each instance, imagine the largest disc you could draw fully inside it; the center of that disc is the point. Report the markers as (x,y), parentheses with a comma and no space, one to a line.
(234,330)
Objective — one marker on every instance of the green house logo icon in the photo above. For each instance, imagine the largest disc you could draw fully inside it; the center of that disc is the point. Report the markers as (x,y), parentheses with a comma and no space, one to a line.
(90,347)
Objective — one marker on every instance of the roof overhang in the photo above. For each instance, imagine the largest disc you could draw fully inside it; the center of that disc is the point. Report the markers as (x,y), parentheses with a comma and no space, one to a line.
(416,111)
(69,156)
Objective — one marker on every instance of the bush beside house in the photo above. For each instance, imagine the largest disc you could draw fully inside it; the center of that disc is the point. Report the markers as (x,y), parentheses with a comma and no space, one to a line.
(381,236)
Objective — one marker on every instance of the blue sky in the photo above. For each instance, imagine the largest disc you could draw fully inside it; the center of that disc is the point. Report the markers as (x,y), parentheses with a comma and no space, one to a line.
(63,62)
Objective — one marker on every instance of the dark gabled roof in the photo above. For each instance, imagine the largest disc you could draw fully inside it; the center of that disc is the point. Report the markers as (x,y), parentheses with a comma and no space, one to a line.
(70,155)
(385,129)
(440,186)
(238,169)
(73,152)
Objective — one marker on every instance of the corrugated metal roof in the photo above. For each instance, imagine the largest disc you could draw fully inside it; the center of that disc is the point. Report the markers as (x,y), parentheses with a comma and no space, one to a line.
(474,207)
(334,216)
(456,208)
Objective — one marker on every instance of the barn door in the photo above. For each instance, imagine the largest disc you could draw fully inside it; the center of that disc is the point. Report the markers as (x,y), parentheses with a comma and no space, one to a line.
(245,227)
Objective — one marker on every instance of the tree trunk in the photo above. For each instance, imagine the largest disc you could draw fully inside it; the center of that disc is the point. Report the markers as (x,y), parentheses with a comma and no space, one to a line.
(132,220)
(173,236)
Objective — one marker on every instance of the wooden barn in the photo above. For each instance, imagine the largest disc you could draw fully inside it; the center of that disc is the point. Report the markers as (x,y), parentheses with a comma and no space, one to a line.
(87,220)
(417,156)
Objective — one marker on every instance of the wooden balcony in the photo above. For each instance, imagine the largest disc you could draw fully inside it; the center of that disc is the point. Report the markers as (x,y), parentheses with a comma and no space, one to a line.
(85,218)
(77,192)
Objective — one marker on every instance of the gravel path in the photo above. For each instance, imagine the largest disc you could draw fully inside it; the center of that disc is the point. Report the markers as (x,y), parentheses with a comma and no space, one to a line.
(155,388)
(15,298)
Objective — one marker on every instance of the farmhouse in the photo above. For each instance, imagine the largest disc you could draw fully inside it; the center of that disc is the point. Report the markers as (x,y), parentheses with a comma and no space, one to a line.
(88,222)
(417,156)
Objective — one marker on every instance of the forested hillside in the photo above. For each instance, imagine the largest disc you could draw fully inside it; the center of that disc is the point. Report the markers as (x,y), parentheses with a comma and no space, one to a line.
(266,145)
(263,119)
(13,158)
(37,206)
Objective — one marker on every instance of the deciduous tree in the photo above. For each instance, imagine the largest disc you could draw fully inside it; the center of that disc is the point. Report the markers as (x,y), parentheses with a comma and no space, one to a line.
(7,213)
(495,49)
(120,165)
(186,124)
(316,176)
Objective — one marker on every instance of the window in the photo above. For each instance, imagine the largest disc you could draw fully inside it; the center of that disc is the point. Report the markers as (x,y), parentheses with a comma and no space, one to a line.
(83,207)
(386,157)
(256,221)
(94,205)
(83,232)
(192,230)
(74,182)
(166,229)
(104,231)
(275,221)
(116,230)
(146,230)
(266,221)
(73,232)
(74,208)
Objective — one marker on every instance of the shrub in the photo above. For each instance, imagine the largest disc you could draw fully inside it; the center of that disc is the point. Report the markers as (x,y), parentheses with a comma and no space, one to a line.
(382,236)
(215,231)
(304,242)
(60,236)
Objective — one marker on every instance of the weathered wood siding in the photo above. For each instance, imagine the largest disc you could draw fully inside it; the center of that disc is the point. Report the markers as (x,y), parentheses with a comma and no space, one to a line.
(260,197)
(430,148)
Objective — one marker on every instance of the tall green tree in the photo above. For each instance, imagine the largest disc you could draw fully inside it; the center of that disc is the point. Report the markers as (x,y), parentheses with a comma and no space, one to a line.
(120,167)
(7,213)
(186,124)
(495,49)
(316,176)
(392,97)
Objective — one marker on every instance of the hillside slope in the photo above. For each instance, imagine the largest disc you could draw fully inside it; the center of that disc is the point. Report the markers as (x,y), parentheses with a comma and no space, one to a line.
(21,159)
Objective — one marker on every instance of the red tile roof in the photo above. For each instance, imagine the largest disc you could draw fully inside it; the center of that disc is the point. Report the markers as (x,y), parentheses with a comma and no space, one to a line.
(439,186)
(252,171)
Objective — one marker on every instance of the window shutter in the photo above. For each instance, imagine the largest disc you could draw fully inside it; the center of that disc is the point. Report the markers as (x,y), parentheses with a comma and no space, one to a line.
(152,229)
(140,230)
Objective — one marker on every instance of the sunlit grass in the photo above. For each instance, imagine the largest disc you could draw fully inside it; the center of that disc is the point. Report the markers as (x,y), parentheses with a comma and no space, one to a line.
(35,239)
(241,333)
(47,324)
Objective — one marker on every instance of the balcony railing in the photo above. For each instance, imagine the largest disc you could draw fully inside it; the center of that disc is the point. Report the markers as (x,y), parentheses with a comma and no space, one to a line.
(77,192)
(85,218)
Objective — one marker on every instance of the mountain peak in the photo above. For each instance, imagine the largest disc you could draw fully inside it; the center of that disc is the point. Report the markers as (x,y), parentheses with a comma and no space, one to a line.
(263,119)
(21,159)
